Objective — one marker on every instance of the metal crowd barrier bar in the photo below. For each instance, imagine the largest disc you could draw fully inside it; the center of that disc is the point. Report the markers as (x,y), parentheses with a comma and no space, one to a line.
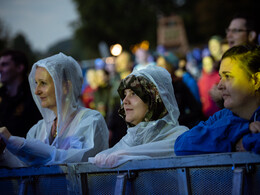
(225,173)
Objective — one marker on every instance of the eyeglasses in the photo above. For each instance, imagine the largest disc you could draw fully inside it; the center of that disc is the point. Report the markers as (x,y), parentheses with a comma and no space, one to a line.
(235,30)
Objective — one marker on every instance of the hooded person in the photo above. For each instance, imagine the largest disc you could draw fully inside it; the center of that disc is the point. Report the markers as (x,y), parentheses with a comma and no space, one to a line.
(67,133)
(151,112)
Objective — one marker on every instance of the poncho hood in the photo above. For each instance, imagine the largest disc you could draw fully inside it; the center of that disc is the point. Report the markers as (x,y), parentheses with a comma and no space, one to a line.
(65,72)
(147,139)
(163,82)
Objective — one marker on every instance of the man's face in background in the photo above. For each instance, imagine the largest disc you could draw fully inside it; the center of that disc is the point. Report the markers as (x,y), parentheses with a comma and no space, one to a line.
(237,33)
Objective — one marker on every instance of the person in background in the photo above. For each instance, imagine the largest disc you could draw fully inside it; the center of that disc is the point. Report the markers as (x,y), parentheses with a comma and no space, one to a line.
(187,78)
(68,133)
(243,29)
(102,93)
(236,127)
(87,95)
(189,107)
(116,125)
(151,113)
(124,64)
(141,58)
(215,47)
(208,79)
(18,111)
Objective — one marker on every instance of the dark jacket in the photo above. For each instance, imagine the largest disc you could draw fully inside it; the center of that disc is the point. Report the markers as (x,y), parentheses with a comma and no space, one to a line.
(18,113)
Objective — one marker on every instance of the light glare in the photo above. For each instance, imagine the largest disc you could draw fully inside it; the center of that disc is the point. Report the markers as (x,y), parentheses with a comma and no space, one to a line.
(116,50)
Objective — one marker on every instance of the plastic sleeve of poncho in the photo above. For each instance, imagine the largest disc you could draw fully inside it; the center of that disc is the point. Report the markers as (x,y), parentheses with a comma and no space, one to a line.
(218,134)
(89,137)
(158,145)
(7,159)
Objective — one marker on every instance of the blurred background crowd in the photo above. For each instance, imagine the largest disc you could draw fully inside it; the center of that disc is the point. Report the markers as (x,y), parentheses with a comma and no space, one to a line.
(188,38)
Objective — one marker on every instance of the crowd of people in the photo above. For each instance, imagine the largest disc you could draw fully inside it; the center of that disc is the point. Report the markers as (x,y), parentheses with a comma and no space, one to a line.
(148,105)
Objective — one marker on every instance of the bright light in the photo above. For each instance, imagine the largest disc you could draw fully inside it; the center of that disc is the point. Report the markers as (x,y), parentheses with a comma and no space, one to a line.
(116,49)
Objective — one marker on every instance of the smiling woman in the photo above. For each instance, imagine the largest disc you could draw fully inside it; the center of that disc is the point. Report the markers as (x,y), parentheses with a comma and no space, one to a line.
(68,132)
(45,89)
(135,109)
(237,127)
(151,112)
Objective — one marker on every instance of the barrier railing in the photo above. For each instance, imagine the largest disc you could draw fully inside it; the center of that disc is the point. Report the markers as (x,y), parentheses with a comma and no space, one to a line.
(225,173)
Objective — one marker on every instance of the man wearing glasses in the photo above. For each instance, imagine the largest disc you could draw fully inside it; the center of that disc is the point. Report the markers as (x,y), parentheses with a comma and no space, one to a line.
(242,29)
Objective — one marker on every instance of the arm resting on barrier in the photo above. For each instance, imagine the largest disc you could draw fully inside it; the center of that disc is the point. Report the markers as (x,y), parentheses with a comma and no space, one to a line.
(219,133)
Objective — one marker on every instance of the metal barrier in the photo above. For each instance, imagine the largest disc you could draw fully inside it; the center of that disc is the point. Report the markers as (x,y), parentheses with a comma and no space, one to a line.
(226,173)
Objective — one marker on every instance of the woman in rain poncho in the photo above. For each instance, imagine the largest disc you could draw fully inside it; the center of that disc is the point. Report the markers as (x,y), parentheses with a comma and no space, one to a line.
(151,113)
(68,132)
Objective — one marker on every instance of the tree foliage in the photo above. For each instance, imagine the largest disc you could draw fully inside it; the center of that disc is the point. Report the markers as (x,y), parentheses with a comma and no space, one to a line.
(116,21)
(129,22)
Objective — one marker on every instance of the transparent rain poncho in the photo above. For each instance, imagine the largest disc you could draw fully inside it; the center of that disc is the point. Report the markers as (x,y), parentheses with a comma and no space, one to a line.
(147,139)
(81,132)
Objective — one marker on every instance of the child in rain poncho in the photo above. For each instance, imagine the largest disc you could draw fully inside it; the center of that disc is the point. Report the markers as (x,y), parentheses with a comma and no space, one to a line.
(155,132)
(68,132)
